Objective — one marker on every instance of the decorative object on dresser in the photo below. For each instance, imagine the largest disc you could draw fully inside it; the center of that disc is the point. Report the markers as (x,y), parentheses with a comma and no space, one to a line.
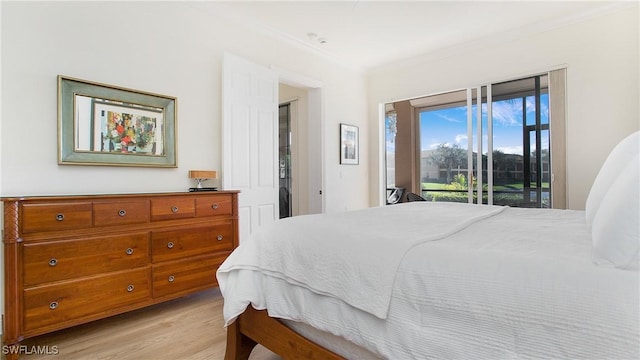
(199,176)
(69,260)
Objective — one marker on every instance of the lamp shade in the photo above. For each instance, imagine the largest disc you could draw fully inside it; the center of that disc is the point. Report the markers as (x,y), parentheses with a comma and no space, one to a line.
(202,174)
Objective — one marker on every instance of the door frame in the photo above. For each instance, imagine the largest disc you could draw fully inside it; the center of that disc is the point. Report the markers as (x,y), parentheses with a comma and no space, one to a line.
(315,126)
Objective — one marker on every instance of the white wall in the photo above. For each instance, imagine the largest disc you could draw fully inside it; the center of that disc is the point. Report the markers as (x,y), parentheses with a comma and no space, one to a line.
(601,56)
(169,48)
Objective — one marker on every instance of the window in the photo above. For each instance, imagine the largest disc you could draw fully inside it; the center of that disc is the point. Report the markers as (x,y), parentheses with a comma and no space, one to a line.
(501,155)
(442,129)
(521,173)
(390,145)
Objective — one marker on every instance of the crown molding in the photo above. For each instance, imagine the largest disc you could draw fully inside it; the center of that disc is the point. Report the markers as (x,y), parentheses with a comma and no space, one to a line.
(219,9)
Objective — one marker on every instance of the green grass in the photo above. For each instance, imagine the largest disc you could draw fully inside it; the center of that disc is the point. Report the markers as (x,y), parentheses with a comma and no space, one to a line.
(433,186)
(514,186)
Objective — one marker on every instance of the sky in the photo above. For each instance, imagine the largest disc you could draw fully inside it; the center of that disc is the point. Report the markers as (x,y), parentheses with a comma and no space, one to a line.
(449,126)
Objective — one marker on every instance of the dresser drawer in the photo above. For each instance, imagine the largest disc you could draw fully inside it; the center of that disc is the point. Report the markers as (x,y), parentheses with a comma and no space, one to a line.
(175,244)
(214,205)
(53,305)
(120,213)
(172,208)
(186,275)
(59,216)
(67,259)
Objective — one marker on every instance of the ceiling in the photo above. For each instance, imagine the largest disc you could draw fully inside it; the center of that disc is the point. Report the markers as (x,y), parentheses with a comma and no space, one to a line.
(368,34)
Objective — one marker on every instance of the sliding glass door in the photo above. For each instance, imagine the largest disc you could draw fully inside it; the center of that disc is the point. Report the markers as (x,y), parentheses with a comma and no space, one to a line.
(520,152)
(489,144)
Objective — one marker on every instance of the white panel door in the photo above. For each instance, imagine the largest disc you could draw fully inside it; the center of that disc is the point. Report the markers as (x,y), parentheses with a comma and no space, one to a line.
(250,140)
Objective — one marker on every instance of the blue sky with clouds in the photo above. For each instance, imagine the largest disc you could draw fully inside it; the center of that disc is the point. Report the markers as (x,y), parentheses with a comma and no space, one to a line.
(449,126)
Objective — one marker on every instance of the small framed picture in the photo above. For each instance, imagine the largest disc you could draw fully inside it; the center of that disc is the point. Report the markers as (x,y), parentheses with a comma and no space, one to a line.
(349,138)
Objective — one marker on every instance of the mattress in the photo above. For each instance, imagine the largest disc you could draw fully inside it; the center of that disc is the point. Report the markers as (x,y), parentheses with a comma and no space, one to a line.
(520,283)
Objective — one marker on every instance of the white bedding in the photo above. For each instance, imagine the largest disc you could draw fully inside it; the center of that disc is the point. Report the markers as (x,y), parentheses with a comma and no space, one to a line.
(329,257)
(517,284)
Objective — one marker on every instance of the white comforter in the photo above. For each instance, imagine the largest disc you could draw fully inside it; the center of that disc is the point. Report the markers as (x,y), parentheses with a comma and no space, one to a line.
(352,255)
(517,283)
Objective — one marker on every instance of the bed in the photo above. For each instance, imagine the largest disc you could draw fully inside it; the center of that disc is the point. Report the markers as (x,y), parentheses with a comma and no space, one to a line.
(444,280)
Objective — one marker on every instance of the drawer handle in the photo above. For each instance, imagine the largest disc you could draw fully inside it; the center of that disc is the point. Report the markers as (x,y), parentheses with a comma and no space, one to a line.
(174,209)
(122,212)
(130,288)
(214,206)
(53,262)
(220,237)
(53,305)
(129,251)
(170,245)
(60,217)
(171,278)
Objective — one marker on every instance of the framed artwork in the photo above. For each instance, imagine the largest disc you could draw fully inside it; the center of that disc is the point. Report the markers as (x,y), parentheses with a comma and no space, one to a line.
(101,124)
(349,139)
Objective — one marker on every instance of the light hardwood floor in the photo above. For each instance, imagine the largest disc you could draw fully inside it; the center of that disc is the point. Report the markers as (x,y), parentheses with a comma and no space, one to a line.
(187,328)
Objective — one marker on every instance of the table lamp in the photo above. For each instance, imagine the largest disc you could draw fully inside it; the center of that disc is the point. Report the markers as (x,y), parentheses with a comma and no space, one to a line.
(200,176)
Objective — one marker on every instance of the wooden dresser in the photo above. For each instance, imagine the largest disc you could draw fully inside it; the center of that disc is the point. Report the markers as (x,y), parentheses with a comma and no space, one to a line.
(73,259)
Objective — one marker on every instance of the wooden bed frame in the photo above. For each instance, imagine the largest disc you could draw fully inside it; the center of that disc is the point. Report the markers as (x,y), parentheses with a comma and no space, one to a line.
(254,327)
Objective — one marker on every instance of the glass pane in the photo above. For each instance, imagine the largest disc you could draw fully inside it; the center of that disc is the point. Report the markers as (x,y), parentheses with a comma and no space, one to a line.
(390,141)
(485,149)
(517,179)
(533,166)
(443,159)
(507,151)
(544,108)
(474,150)
(284,167)
(546,170)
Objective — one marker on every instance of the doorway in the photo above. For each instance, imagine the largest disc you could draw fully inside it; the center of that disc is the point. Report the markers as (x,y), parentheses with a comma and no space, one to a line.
(250,98)
(284,160)
(302,164)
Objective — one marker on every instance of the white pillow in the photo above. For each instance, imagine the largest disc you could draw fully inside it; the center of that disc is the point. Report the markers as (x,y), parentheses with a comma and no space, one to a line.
(615,229)
(613,165)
